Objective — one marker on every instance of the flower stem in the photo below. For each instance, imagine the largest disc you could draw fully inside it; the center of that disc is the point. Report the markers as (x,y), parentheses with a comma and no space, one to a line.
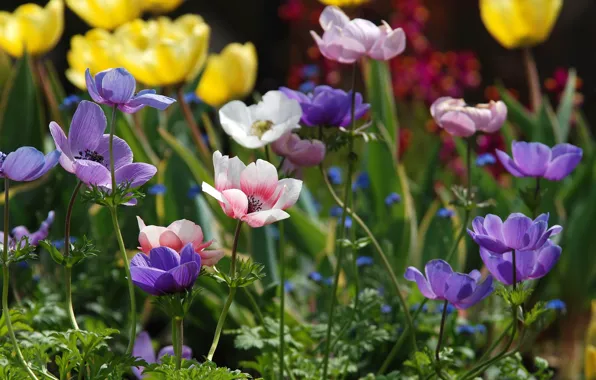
(536,198)
(533,79)
(111,149)
(68,269)
(514,269)
(47,89)
(194,128)
(441,331)
(177,339)
(5,278)
(226,308)
(282,297)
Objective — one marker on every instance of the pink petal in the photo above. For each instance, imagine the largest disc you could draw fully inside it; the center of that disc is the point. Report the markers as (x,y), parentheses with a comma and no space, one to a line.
(332,15)
(187,231)
(457,124)
(211,257)
(235,203)
(363,31)
(170,239)
(259,180)
(289,190)
(263,218)
(389,45)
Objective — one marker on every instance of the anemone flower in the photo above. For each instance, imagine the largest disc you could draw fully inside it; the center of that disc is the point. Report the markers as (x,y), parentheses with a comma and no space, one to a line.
(26,164)
(462,120)
(143,349)
(20,232)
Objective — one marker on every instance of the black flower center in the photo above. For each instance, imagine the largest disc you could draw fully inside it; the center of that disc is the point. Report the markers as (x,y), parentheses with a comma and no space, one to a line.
(254,204)
(90,155)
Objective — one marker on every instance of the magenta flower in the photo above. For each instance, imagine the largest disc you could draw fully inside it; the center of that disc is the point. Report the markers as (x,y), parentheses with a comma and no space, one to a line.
(530,265)
(26,164)
(518,232)
(85,152)
(327,106)
(33,238)
(298,153)
(459,119)
(538,160)
(346,40)
(165,271)
(442,283)
(116,87)
(253,193)
(143,349)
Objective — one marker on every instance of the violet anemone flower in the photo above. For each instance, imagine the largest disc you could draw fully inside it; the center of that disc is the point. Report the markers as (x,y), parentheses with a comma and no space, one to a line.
(253,193)
(518,232)
(26,164)
(143,349)
(327,106)
(298,153)
(85,152)
(539,161)
(165,271)
(19,232)
(460,119)
(530,265)
(116,88)
(442,283)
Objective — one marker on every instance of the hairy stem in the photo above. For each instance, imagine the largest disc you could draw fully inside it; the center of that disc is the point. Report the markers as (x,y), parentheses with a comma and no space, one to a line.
(282,296)
(178,339)
(441,331)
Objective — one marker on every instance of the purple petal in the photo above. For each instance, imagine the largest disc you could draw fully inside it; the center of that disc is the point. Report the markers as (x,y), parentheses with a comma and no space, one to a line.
(93,173)
(514,231)
(50,160)
(531,158)
(458,287)
(188,254)
(481,292)
(478,225)
(457,124)
(360,109)
(92,88)
(145,278)
(545,261)
(136,174)
(60,139)
(140,260)
(475,274)
(413,274)
(178,279)
(535,235)
(116,86)
(489,243)
(22,163)
(122,152)
(437,273)
(565,157)
(164,258)
(143,348)
(169,350)
(149,98)
(494,226)
(509,164)
(499,265)
(87,127)
(297,95)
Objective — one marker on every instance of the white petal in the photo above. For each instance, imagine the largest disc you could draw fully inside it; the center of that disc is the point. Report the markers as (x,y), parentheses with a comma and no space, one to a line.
(235,119)
(332,15)
(207,188)
(290,191)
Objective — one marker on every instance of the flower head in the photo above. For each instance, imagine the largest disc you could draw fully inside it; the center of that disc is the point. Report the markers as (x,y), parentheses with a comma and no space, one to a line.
(116,87)
(362,261)
(164,271)
(556,304)
(298,153)
(530,264)
(32,28)
(538,160)
(176,236)
(445,213)
(462,120)
(143,349)
(327,106)
(485,159)
(260,124)
(442,283)
(229,75)
(253,193)
(334,175)
(362,181)
(315,276)
(392,199)
(346,40)
(106,14)
(161,6)
(26,164)
(33,238)
(518,232)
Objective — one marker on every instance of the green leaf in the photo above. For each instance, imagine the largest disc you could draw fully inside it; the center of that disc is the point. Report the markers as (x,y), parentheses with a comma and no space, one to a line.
(566,106)
(305,233)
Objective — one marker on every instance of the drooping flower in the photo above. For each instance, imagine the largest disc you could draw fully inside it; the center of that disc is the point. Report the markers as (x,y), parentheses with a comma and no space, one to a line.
(346,40)
(442,283)
(20,232)
(530,264)
(520,23)
(116,87)
(538,160)
(260,124)
(32,28)
(229,75)
(460,119)
(298,153)
(106,14)
(85,152)
(518,232)
(161,6)
(164,271)
(26,164)
(327,106)
(253,193)
(176,236)
(143,349)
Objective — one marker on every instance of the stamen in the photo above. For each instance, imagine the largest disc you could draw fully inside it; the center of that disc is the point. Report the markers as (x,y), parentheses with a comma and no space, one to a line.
(259,127)
(254,204)
(90,155)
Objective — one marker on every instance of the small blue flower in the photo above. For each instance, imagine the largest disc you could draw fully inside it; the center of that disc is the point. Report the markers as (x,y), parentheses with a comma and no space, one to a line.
(157,189)
(480,329)
(334,175)
(23,264)
(465,329)
(486,159)
(59,244)
(348,222)
(450,308)
(392,199)
(307,86)
(363,261)
(315,276)
(310,71)
(289,286)
(556,304)
(445,213)
(193,191)
(361,182)
(191,98)
(328,281)
(386,309)
(335,211)
(69,102)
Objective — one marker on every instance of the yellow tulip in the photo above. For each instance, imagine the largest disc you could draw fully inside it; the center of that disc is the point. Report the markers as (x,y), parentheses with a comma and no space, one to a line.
(590,362)
(107,14)
(161,6)
(520,23)
(163,52)
(229,75)
(95,50)
(32,28)
(344,3)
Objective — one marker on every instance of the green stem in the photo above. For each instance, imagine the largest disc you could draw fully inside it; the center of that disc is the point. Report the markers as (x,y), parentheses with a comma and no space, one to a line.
(111,149)
(267,153)
(230,299)
(441,331)
(536,198)
(68,269)
(255,306)
(178,339)
(282,290)
(460,236)
(469,168)
(5,284)
(495,343)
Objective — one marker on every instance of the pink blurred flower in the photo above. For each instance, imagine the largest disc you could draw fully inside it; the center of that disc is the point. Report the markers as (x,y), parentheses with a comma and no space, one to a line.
(176,236)
(253,193)
(459,119)
(298,153)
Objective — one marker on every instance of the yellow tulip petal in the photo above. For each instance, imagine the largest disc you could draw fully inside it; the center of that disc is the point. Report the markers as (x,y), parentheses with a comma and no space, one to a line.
(213,87)
(161,6)
(590,363)
(107,14)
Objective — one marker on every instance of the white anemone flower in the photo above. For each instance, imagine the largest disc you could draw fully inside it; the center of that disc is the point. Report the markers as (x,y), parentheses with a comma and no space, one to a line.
(260,124)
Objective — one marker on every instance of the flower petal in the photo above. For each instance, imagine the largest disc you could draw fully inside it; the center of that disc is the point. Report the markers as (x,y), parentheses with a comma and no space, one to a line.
(22,163)
(234,203)
(50,160)
(145,278)
(93,173)
(332,15)
(149,98)
(60,140)
(458,287)
(164,258)
(531,158)
(457,124)
(260,180)
(171,240)
(565,157)
(514,231)
(546,259)
(493,225)
(211,257)
(489,243)
(140,260)
(509,164)
(122,152)
(187,231)
(117,86)
(137,174)
(499,265)
(178,279)
(169,350)
(143,348)
(413,274)
(86,129)
(92,88)
(263,218)
(289,190)
(188,254)
(482,291)
(437,273)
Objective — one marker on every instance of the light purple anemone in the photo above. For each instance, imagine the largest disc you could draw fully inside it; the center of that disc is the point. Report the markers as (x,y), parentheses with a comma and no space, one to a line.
(143,349)
(26,164)
(518,232)
(327,106)
(538,160)
(442,283)
(116,87)
(530,265)
(85,152)
(164,271)
(33,238)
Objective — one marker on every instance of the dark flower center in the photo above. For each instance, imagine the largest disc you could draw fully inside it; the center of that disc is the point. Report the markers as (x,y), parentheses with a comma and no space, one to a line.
(90,155)
(254,204)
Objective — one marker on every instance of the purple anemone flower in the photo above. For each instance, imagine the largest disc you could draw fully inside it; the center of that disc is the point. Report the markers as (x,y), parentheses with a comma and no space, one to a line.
(165,271)
(26,164)
(327,106)
(85,152)
(538,160)
(33,238)
(442,283)
(143,349)
(518,232)
(116,88)
(530,265)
